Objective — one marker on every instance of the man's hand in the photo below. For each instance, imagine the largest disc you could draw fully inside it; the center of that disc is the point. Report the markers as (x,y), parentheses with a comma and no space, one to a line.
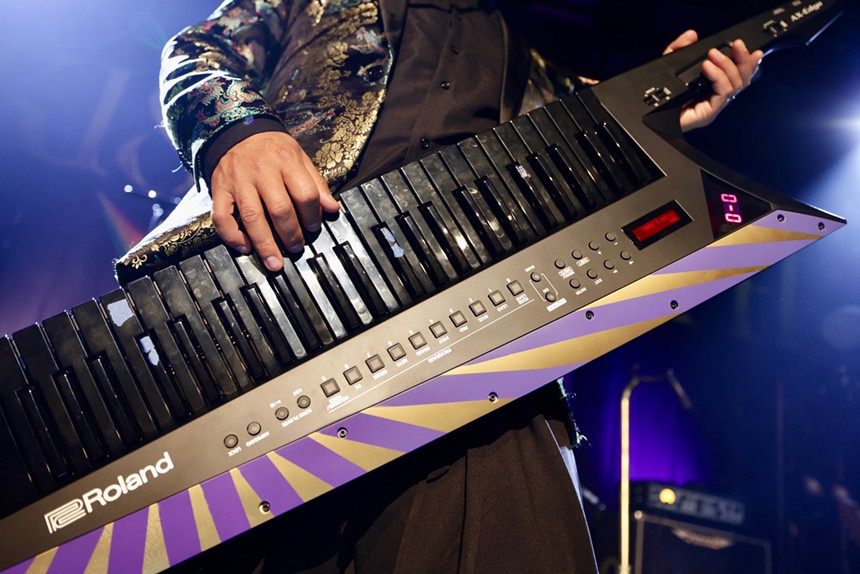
(268,173)
(728,77)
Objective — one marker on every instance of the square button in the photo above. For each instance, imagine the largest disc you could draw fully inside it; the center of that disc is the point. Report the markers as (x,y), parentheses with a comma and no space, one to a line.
(353,375)
(515,288)
(375,363)
(458,319)
(396,352)
(417,340)
(496,298)
(478,308)
(330,387)
(438,329)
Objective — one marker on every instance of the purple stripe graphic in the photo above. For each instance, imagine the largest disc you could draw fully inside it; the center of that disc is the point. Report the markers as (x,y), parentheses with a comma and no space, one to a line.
(321,462)
(510,384)
(733,256)
(270,485)
(225,506)
(614,315)
(128,543)
(180,530)
(386,433)
(73,556)
(20,568)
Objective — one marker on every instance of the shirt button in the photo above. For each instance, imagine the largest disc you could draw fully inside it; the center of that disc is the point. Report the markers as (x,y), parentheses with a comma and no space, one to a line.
(455,49)
(425,143)
(446,85)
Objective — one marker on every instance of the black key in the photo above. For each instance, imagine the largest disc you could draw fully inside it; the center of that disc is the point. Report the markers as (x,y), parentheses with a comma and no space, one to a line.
(13,395)
(557,187)
(207,296)
(231,284)
(183,309)
(295,292)
(445,187)
(364,222)
(102,403)
(396,254)
(16,488)
(429,258)
(250,268)
(183,393)
(439,220)
(63,409)
(496,194)
(360,266)
(110,369)
(581,180)
(412,222)
(386,212)
(319,296)
(337,284)
(523,176)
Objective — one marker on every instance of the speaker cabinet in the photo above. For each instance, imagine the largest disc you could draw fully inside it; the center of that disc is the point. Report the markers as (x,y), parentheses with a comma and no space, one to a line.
(666,546)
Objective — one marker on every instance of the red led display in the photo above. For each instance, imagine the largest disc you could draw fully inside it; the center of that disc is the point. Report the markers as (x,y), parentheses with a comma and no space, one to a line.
(656,224)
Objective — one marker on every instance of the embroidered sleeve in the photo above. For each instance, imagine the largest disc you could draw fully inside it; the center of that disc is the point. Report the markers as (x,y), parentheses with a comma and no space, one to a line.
(212,73)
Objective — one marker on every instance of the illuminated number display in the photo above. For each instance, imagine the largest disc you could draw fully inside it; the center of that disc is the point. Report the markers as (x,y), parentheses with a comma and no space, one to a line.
(731,208)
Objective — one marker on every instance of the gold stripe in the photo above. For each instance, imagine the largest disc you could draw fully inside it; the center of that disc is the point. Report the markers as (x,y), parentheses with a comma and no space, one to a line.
(569,352)
(42,562)
(443,417)
(367,456)
(206,530)
(652,284)
(306,485)
(101,555)
(155,552)
(757,234)
(250,499)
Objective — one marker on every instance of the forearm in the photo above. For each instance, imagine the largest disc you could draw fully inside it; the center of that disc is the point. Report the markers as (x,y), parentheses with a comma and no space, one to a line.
(213,75)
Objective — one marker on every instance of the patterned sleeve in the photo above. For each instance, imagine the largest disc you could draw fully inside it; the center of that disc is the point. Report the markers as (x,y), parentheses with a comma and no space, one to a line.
(212,73)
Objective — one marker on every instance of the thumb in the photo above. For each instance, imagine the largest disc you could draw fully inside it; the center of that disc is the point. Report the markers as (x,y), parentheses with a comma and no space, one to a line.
(682,41)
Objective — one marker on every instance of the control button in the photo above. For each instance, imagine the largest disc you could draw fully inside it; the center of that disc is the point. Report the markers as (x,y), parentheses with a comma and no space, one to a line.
(438,329)
(375,363)
(625,255)
(458,318)
(611,236)
(417,340)
(593,245)
(304,401)
(592,274)
(609,264)
(477,308)
(254,429)
(352,375)
(515,288)
(330,387)
(575,283)
(536,277)
(560,264)
(551,296)
(576,254)
(396,352)
(231,440)
(282,413)
(496,298)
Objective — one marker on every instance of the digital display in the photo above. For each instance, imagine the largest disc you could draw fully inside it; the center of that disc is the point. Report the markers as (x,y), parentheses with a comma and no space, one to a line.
(654,226)
(657,224)
(730,207)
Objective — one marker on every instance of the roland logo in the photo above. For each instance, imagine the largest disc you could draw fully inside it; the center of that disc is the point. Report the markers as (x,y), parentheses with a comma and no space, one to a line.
(806,11)
(76,509)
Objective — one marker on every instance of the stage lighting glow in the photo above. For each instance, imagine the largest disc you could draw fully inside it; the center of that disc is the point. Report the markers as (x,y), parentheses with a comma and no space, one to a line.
(667,496)
(128,189)
(152,194)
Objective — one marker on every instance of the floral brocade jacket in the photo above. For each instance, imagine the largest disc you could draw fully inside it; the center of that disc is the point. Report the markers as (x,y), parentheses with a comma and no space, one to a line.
(318,67)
